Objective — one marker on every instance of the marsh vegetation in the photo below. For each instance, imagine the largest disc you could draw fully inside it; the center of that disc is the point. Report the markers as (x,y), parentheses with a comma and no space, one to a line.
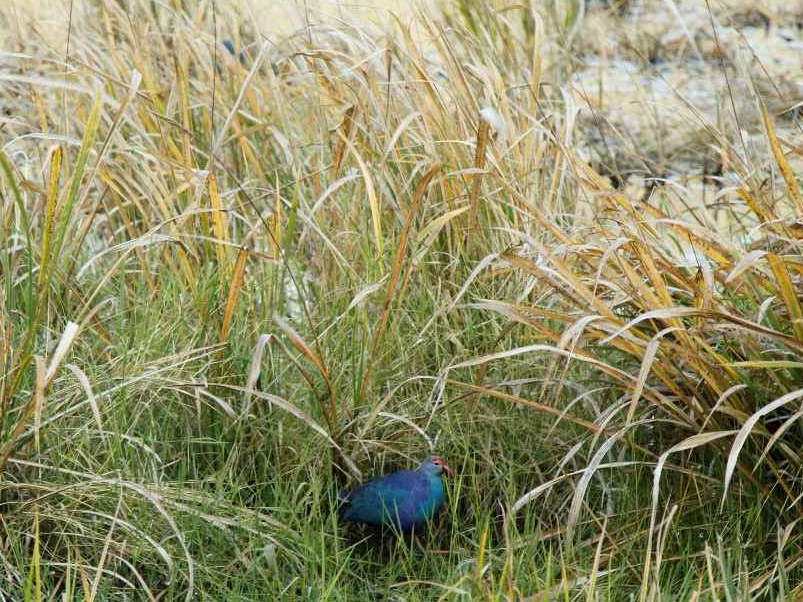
(557,243)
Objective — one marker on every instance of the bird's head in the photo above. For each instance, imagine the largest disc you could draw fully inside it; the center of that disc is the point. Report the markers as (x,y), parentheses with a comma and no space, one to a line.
(436,466)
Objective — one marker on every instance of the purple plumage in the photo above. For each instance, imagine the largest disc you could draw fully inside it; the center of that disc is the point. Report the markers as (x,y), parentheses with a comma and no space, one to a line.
(403,500)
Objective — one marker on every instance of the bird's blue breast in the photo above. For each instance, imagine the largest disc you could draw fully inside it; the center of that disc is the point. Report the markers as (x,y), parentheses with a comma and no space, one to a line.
(432,502)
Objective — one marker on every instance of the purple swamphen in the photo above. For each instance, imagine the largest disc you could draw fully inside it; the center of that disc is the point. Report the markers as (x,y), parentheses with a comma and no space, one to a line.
(403,500)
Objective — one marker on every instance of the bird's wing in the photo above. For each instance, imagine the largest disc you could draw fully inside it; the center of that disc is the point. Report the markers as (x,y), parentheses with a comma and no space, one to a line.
(382,497)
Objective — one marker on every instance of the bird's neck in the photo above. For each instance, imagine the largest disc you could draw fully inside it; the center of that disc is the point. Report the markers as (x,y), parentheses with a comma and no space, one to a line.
(434,481)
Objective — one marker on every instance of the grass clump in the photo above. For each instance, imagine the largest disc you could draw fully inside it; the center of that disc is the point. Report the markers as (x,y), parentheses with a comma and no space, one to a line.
(232,287)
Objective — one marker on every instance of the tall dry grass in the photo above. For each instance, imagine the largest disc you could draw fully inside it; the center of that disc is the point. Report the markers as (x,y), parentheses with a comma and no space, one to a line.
(207,257)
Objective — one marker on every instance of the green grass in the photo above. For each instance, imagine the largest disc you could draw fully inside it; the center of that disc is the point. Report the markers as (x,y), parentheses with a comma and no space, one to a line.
(192,369)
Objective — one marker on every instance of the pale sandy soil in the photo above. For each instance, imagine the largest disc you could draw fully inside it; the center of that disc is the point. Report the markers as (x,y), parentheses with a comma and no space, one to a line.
(656,74)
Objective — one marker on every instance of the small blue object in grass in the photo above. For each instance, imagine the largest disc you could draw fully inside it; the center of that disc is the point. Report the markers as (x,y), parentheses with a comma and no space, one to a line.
(403,500)
(229,45)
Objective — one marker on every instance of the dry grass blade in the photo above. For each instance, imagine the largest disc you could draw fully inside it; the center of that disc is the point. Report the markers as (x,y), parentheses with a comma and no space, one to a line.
(688,443)
(483,135)
(694,312)
(788,293)
(538,407)
(90,395)
(77,177)
(128,248)
(578,287)
(761,210)
(538,53)
(378,408)
(403,124)
(105,552)
(428,233)
(276,222)
(776,436)
(722,398)
(612,370)
(38,407)
(398,261)
(745,263)
(221,229)
(744,432)
(50,219)
(689,36)
(305,418)
(373,199)
(44,375)
(662,536)
(534,493)
(234,293)
(592,584)
(221,135)
(253,370)
(301,345)
(478,269)
(89,135)
(33,585)
(36,397)
(783,164)
(345,133)
(65,342)
(592,467)
(767,364)
(646,366)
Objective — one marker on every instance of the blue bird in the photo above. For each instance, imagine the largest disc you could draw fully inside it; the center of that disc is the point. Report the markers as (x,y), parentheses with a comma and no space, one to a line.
(403,500)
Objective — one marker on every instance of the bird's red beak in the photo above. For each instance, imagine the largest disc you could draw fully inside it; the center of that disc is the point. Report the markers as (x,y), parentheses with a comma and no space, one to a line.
(447,470)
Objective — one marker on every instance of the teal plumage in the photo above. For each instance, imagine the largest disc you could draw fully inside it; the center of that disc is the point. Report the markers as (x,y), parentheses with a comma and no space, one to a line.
(403,500)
